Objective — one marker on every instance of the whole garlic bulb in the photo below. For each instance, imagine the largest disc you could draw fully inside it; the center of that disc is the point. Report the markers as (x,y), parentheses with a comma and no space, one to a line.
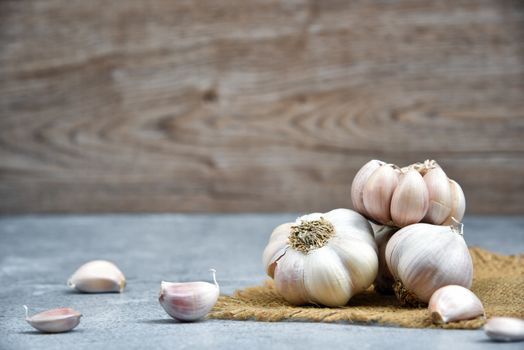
(423,257)
(322,258)
(399,197)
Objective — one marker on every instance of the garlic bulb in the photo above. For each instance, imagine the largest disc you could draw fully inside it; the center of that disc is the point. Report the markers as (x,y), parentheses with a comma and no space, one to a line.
(395,196)
(384,281)
(505,329)
(454,303)
(189,301)
(322,258)
(423,258)
(55,320)
(98,276)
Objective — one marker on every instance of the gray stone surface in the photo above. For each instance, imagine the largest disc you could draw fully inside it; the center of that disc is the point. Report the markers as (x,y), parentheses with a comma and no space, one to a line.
(38,253)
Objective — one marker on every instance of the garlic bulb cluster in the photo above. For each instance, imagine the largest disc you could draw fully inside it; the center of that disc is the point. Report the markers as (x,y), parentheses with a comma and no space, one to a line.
(98,276)
(189,301)
(55,320)
(423,258)
(399,197)
(454,303)
(322,258)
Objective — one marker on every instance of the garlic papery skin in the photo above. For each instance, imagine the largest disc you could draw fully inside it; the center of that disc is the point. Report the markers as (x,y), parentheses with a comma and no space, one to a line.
(384,281)
(423,258)
(409,203)
(55,320)
(458,203)
(505,329)
(378,192)
(189,301)
(326,258)
(439,193)
(98,276)
(454,303)
(359,181)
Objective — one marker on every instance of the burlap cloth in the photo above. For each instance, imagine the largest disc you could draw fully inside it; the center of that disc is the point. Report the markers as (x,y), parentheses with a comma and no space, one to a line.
(498,282)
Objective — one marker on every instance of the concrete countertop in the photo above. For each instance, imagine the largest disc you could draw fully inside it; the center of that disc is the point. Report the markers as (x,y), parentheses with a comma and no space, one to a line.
(39,253)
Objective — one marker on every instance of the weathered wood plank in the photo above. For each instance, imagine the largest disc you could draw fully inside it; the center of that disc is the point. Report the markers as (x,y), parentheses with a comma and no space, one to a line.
(254,106)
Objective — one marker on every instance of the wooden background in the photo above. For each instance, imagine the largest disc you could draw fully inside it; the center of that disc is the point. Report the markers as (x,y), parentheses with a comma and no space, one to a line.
(225,106)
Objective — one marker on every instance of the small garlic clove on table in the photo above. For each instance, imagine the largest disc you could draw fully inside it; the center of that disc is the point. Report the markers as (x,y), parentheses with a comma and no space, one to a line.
(189,301)
(454,303)
(55,320)
(505,329)
(98,276)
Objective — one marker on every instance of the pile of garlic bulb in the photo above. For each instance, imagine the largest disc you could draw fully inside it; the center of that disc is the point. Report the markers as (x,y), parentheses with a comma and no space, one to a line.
(395,196)
(420,249)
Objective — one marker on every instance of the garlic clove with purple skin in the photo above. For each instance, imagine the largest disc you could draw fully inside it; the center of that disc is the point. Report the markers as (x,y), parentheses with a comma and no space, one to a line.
(439,191)
(378,192)
(54,321)
(189,301)
(505,329)
(454,303)
(458,203)
(409,203)
(359,181)
(98,276)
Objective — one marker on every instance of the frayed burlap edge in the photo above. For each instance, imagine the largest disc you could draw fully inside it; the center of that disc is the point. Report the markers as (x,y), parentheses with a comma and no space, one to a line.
(498,282)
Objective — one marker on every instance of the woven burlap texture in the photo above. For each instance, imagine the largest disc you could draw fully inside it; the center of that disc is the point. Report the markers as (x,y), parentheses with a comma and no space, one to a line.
(498,282)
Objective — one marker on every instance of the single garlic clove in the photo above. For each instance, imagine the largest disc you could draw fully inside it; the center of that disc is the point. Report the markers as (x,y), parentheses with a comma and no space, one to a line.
(289,278)
(189,301)
(378,192)
(440,200)
(454,303)
(277,246)
(359,181)
(505,329)
(55,320)
(98,276)
(326,279)
(409,203)
(458,203)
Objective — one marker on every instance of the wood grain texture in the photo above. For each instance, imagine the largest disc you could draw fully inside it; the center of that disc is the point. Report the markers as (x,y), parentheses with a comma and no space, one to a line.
(254,105)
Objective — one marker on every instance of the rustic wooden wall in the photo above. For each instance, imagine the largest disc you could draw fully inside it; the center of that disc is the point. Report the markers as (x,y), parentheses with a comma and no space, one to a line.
(254,105)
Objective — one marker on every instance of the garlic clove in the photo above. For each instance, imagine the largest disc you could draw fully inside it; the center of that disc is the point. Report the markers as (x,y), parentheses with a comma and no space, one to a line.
(189,301)
(439,192)
(409,203)
(378,192)
(55,320)
(289,278)
(98,276)
(277,246)
(458,203)
(326,279)
(350,224)
(359,181)
(360,260)
(505,329)
(454,303)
